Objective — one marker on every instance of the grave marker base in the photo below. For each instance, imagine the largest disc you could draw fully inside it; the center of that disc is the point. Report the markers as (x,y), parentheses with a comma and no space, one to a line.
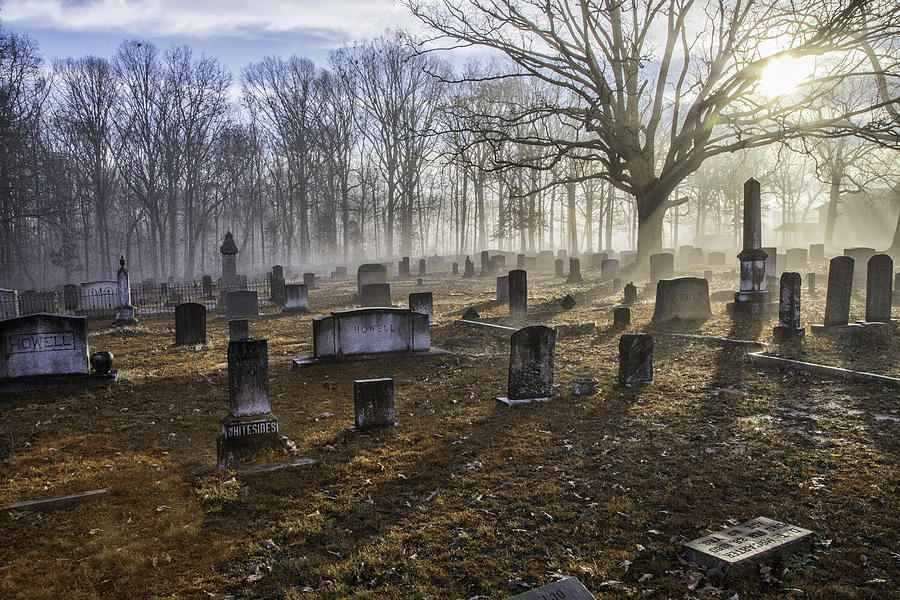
(243,437)
(308,361)
(513,402)
(40,382)
(855,333)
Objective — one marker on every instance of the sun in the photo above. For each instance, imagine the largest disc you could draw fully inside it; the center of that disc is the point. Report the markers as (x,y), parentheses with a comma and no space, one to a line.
(782,76)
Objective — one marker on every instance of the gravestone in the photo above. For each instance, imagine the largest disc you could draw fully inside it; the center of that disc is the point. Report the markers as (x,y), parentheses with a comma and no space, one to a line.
(309,280)
(341,272)
(635,359)
(375,294)
(190,324)
(43,345)
(621,317)
(796,258)
(370,273)
(584,387)
(567,302)
(470,314)
(499,261)
(455,268)
(125,312)
(752,297)
(530,263)
(597,259)
(241,303)
(816,253)
(373,403)
(840,284)
(229,251)
(250,424)
(684,298)
(878,288)
(574,271)
(520,261)
(277,285)
(630,294)
(518,293)
(744,548)
(715,259)
(684,253)
(238,329)
(568,588)
(559,267)
(207,287)
(662,266)
(369,331)
(487,265)
(562,253)
(70,298)
(530,366)
(470,268)
(423,302)
(421,267)
(609,268)
(811,284)
(788,328)
(296,298)
(503,288)
(403,268)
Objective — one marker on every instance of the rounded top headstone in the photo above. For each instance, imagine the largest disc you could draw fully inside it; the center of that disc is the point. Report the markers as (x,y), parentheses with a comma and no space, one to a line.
(228,246)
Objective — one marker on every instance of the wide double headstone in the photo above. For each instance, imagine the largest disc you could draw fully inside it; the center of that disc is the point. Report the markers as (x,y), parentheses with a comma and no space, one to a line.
(43,344)
(190,323)
(518,293)
(574,271)
(373,403)
(684,298)
(296,298)
(366,331)
(789,328)
(662,266)
(609,268)
(503,288)
(423,302)
(635,359)
(370,273)
(241,303)
(531,353)
(878,288)
(250,424)
(375,294)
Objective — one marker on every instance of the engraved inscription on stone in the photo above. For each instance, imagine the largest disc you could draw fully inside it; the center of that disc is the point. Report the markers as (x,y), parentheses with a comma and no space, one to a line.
(376,328)
(39,342)
(246,428)
(564,589)
(746,541)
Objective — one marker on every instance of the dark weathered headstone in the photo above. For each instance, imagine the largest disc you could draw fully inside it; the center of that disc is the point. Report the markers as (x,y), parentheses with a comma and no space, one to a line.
(455,268)
(574,271)
(518,293)
(530,366)
(373,403)
(207,284)
(70,298)
(621,317)
(559,268)
(229,251)
(309,280)
(370,273)
(422,302)
(421,267)
(789,328)
(487,265)
(609,268)
(403,268)
(241,303)
(840,285)
(635,359)
(470,314)
(376,294)
(744,548)
(503,288)
(567,302)
(190,323)
(250,423)
(630,294)
(238,329)
(564,589)
(520,261)
(276,283)
(684,298)
(878,288)
(662,266)
(296,298)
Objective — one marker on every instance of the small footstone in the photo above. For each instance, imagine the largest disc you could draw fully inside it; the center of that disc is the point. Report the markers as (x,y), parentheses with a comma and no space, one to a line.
(568,302)
(470,314)
(743,549)
(584,387)
(564,589)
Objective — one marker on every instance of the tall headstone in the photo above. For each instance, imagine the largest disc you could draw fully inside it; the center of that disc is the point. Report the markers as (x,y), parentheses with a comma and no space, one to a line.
(296,298)
(635,359)
(840,285)
(530,366)
(789,328)
(574,271)
(503,288)
(421,267)
(752,297)
(276,283)
(190,323)
(373,403)
(518,293)
(376,294)
(811,284)
(630,294)
(229,251)
(878,288)
(238,329)
(662,266)
(207,284)
(487,265)
(250,424)
(423,302)
(125,313)
(403,267)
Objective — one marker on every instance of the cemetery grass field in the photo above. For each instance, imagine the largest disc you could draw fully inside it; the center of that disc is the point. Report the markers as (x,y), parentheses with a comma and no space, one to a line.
(462,499)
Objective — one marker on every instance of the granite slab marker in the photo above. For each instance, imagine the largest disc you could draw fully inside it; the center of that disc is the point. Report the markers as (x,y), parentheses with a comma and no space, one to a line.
(373,403)
(531,354)
(682,298)
(296,298)
(375,294)
(788,328)
(635,359)
(241,303)
(878,288)
(518,293)
(190,324)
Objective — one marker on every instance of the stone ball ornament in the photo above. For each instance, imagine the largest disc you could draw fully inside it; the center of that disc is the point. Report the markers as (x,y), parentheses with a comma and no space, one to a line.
(102,362)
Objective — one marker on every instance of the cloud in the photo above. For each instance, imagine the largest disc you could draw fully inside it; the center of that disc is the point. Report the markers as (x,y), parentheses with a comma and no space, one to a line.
(339,20)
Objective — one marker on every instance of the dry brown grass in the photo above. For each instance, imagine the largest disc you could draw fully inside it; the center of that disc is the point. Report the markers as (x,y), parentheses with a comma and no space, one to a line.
(462,498)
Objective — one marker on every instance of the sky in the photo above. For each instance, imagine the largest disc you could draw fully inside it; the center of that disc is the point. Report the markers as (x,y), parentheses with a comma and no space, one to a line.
(236,32)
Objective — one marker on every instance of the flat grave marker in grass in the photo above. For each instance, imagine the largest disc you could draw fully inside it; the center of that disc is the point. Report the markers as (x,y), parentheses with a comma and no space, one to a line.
(564,589)
(741,549)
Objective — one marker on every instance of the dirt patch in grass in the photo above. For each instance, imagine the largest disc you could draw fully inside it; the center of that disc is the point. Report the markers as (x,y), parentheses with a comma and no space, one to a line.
(462,499)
